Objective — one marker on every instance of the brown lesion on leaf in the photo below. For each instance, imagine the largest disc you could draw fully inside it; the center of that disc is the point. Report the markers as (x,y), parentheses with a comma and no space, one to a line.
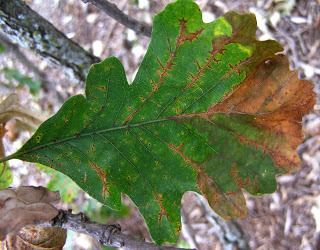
(236,68)
(277,100)
(178,228)
(142,99)
(178,150)
(234,172)
(183,36)
(159,199)
(239,181)
(217,47)
(229,205)
(101,87)
(102,176)
(285,161)
(202,68)
(178,110)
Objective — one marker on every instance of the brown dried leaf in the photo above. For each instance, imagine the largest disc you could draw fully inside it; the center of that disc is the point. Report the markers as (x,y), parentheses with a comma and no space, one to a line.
(278,100)
(10,108)
(25,205)
(36,238)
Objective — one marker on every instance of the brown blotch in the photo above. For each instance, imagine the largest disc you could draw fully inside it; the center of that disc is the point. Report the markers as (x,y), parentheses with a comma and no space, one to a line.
(240,182)
(201,69)
(217,47)
(162,212)
(101,87)
(285,160)
(103,177)
(278,100)
(236,68)
(184,36)
(229,205)
(178,150)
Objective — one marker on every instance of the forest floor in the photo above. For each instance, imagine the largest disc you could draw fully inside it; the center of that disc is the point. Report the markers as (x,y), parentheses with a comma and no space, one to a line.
(286,219)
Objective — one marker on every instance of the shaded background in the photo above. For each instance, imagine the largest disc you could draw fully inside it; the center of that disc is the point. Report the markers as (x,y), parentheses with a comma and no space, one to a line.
(286,219)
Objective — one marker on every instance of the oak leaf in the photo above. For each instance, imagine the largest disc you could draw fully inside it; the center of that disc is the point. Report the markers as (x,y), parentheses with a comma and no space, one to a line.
(211,110)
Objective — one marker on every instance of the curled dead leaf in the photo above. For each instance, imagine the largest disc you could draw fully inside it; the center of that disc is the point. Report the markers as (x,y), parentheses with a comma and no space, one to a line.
(11,109)
(35,238)
(25,205)
(14,118)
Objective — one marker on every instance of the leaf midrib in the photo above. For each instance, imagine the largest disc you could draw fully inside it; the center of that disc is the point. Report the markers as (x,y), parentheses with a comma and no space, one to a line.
(81,135)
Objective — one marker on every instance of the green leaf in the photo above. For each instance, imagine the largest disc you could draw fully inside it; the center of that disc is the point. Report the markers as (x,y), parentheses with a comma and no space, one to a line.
(67,188)
(69,191)
(5,176)
(211,110)
(2,48)
(14,74)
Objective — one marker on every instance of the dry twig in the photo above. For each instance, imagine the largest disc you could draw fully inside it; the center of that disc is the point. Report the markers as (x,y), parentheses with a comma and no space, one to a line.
(108,235)
(113,11)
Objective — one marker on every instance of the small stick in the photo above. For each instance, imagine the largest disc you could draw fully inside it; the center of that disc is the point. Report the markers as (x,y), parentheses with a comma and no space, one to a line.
(113,11)
(108,235)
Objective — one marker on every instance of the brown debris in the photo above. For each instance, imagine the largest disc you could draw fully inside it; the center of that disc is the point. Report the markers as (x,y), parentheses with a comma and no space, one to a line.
(25,205)
(36,238)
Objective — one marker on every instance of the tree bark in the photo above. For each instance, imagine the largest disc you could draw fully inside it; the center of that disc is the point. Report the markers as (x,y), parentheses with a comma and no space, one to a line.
(14,49)
(32,31)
